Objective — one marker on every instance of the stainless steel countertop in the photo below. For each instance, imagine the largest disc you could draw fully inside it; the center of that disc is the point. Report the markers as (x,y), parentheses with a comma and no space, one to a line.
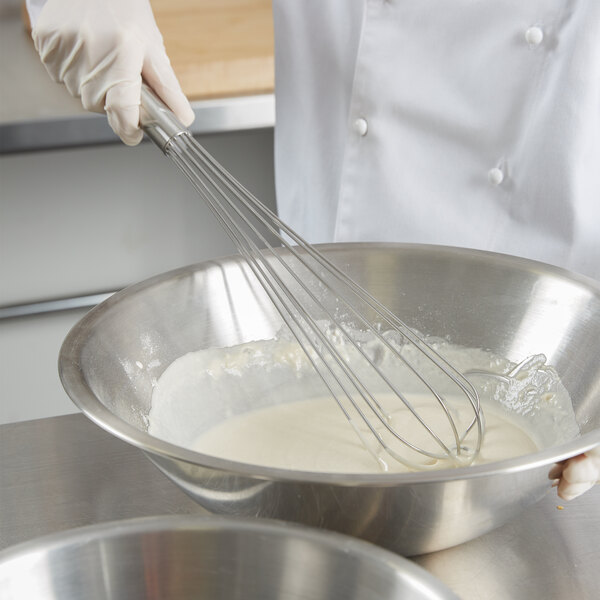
(64,472)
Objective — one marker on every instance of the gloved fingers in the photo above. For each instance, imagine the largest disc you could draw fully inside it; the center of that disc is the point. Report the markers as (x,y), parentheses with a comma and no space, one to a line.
(47,46)
(123,110)
(123,100)
(99,50)
(50,41)
(576,475)
(594,453)
(159,75)
(556,470)
(114,85)
(117,62)
(579,469)
(61,55)
(570,491)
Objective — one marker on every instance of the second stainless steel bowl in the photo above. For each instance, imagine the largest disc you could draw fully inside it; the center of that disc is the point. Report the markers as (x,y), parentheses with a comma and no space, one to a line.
(187,558)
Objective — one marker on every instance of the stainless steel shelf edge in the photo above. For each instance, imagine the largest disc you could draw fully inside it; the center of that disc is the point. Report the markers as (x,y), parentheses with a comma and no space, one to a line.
(51,306)
(212,116)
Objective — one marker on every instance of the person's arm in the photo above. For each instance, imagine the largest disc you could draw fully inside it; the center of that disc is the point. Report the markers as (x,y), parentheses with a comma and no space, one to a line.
(101,50)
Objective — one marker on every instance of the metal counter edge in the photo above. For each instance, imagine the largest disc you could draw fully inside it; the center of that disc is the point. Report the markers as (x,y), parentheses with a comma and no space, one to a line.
(212,116)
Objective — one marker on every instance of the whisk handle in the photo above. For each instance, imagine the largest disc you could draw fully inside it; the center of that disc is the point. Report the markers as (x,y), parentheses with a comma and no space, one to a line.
(157,120)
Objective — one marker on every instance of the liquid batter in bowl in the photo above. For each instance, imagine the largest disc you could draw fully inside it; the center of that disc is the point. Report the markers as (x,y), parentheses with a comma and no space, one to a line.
(267,407)
(314,435)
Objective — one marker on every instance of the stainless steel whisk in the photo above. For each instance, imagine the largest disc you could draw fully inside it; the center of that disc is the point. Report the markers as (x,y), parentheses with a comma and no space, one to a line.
(332,318)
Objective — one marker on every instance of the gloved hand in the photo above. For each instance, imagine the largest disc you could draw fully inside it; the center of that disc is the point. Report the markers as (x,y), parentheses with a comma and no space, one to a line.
(577,475)
(101,49)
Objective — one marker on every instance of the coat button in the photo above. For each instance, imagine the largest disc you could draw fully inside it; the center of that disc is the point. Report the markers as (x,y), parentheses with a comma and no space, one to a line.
(361,126)
(534,36)
(495,176)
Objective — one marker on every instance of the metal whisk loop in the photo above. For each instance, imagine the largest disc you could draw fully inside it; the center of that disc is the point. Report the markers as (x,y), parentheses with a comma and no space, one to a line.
(251,226)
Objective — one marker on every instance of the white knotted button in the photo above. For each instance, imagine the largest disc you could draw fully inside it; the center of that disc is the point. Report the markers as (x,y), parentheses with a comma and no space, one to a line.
(534,36)
(361,126)
(495,176)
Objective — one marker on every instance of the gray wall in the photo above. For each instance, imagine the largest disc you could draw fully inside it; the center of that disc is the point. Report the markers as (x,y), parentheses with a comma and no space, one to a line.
(83,220)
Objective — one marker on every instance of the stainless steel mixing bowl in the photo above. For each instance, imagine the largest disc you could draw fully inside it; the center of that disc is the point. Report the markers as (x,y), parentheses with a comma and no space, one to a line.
(513,307)
(185,558)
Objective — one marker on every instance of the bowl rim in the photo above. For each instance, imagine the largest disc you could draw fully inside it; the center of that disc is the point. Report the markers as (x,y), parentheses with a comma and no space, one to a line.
(80,393)
(197,524)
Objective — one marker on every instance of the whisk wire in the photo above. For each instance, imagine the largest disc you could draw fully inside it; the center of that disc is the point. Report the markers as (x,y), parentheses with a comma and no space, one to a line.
(200,159)
(277,299)
(251,202)
(287,314)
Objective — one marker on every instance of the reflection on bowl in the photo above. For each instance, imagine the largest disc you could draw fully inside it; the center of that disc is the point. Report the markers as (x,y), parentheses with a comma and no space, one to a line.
(184,558)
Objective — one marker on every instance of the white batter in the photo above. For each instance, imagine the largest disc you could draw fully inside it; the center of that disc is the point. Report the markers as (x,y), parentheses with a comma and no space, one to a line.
(314,435)
(262,403)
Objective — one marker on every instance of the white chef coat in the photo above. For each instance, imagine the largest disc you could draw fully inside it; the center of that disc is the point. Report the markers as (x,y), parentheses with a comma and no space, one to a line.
(459,122)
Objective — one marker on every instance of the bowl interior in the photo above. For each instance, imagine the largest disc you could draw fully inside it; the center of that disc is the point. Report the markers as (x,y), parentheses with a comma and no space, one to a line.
(209,559)
(509,306)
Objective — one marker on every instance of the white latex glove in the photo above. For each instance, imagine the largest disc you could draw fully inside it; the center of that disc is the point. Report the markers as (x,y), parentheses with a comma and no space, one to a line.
(101,49)
(577,475)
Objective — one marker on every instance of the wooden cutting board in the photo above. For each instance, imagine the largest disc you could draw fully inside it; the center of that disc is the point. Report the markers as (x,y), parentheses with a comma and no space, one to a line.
(219,47)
